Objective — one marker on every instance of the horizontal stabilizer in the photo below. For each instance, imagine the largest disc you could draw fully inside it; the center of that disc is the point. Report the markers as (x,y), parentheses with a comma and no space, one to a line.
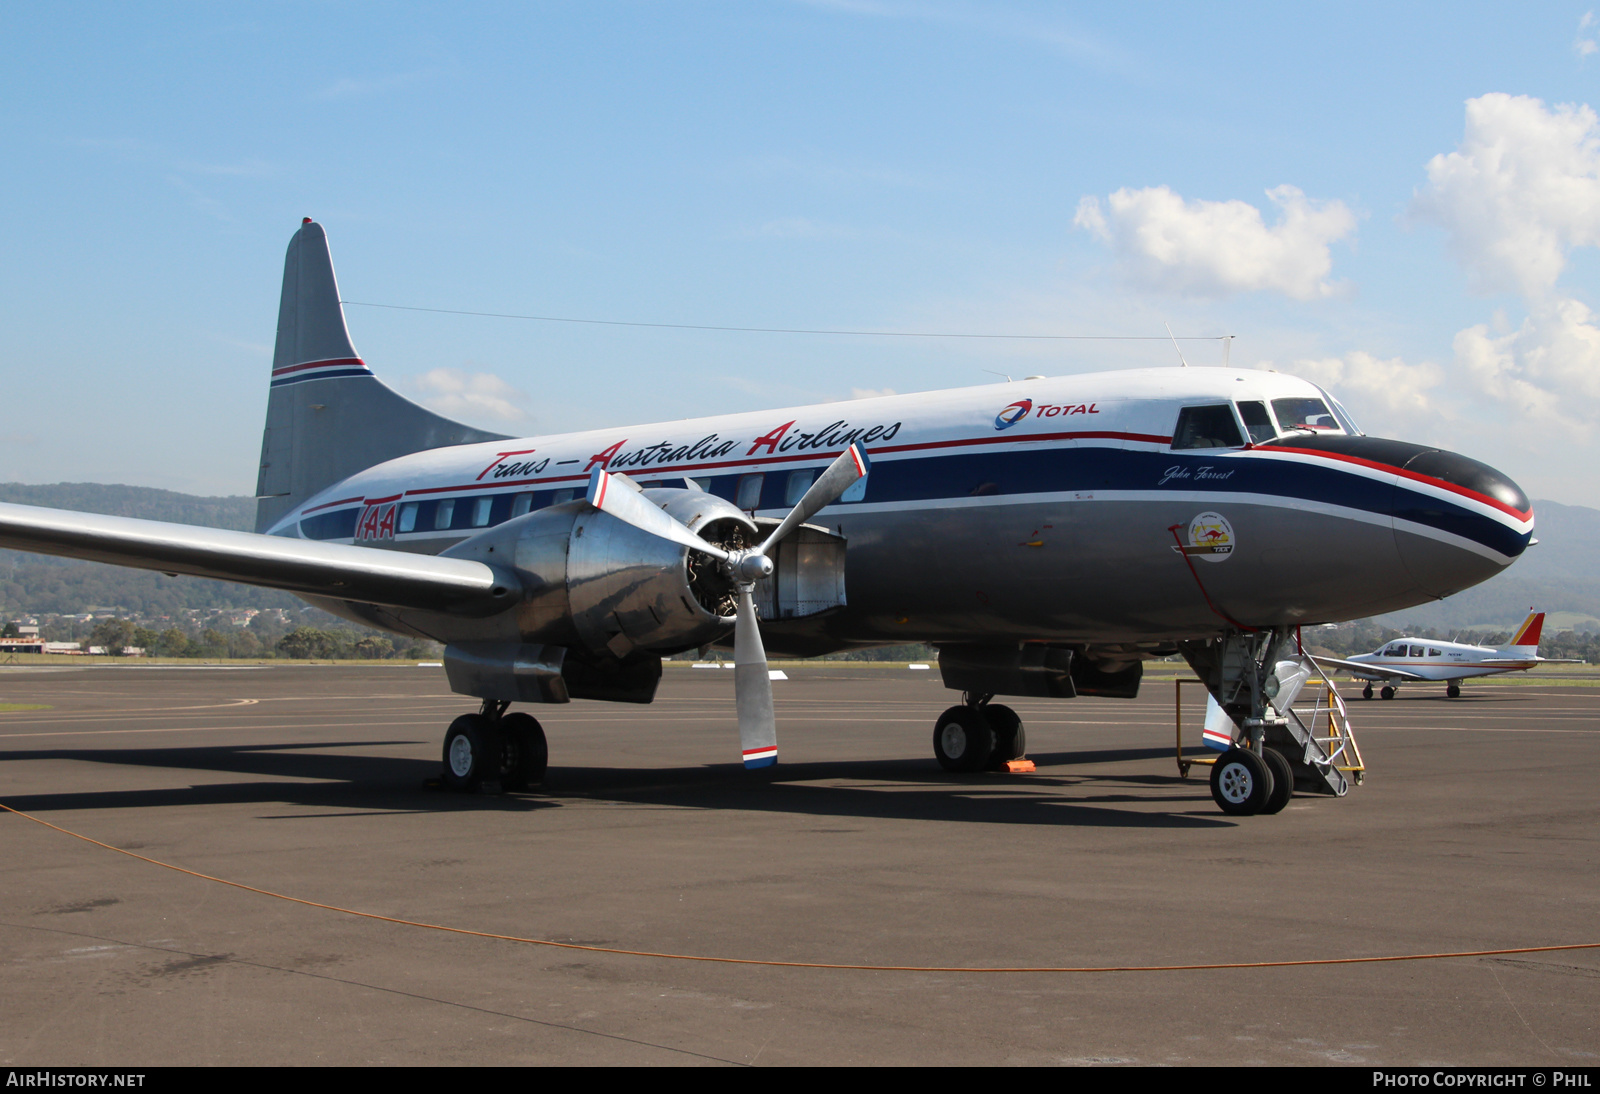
(333,570)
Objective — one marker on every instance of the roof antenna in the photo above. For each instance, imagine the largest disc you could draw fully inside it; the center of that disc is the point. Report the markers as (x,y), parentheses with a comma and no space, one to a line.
(1175,346)
(992,372)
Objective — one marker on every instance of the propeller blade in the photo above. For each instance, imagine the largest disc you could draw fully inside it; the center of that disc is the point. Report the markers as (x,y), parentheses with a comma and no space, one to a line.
(841,474)
(752,688)
(618,496)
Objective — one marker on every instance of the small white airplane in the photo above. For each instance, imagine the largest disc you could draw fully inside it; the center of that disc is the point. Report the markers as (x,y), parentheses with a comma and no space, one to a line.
(1425,659)
(1048,536)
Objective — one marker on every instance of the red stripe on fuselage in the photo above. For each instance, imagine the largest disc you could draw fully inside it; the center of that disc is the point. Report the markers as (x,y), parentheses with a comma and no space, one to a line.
(1414,476)
(670,472)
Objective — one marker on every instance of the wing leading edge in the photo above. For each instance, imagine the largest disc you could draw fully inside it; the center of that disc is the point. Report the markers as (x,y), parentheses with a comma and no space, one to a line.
(333,570)
(1372,672)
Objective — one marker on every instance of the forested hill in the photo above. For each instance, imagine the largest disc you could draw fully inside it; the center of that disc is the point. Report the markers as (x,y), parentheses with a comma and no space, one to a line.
(136,501)
(30,584)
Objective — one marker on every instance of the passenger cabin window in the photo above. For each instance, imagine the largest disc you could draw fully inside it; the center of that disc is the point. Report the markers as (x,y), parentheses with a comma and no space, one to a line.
(1207,427)
(561,497)
(480,511)
(521,504)
(1416,651)
(443,514)
(408,517)
(1257,422)
(1310,415)
(748,496)
(795,489)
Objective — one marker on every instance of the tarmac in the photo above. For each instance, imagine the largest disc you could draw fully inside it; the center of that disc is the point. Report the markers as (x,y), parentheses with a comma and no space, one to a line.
(1476,829)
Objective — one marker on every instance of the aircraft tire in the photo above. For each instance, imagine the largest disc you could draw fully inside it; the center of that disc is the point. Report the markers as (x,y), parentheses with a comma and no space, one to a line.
(525,755)
(1366,692)
(1452,691)
(1241,783)
(473,752)
(1282,780)
(962,739)
(1387,692)
(1010,738)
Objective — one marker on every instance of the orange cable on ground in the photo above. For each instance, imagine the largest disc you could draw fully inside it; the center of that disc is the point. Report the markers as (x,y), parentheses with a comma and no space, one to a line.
(802,964)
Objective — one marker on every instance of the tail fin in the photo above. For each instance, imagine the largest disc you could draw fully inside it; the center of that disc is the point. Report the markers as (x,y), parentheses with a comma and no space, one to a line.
(1527,635)
(328,416)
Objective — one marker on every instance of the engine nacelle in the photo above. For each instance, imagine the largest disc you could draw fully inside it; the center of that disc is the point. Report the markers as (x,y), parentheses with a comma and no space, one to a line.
(594,583)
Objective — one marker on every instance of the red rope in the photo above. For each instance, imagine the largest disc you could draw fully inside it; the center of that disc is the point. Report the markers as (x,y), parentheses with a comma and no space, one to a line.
(1187,561)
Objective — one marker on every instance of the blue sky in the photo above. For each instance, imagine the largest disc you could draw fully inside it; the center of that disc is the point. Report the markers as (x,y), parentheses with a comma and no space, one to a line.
(1402,202)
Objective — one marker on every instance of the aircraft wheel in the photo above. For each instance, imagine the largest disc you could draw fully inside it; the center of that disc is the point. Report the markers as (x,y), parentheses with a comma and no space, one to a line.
(1366,692)
(1387,692)
(1282,780)
(1010,739)
(524,755)
(1240,782)
(1452,691)
(473,751)
(962,739)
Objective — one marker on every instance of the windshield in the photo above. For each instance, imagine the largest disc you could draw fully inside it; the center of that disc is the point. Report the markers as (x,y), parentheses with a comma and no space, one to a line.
(1312,415)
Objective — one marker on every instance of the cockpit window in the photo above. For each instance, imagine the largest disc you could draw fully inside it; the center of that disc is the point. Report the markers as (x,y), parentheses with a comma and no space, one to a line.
(1305,414)
(1257,422)
(1207,427)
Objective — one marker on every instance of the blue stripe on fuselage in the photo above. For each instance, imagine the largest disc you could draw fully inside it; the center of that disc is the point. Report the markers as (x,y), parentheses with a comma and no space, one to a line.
(1087,470)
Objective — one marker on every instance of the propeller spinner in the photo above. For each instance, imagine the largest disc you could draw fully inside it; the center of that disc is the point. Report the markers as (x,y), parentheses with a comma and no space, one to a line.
(617,495)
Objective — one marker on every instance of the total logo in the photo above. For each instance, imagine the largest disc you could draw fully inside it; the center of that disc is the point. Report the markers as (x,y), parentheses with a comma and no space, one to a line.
(1013,414)
(1020,409)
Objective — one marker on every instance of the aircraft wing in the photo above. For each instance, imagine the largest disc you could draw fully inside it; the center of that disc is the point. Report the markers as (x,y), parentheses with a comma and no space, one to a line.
(1362,668)
(333,570)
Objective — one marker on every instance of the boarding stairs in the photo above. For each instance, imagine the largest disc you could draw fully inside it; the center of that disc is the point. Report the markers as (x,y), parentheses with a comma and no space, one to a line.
(1314,733)
(1310,726)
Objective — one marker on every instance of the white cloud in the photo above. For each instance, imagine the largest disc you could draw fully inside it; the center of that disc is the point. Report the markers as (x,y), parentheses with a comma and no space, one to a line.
(1214,248)
(870,393)
(460,394)
(1522,189)
(1581,45)
(1397,393)
(1547,372)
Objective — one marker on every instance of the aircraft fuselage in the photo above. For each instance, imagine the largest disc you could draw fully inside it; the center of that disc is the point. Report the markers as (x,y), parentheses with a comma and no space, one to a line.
(1069,509)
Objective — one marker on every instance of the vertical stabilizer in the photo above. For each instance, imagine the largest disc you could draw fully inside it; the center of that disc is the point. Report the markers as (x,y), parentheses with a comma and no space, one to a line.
(328,416)
(1526,640)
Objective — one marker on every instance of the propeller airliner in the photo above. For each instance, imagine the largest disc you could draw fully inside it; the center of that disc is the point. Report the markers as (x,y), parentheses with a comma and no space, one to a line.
(1048,536)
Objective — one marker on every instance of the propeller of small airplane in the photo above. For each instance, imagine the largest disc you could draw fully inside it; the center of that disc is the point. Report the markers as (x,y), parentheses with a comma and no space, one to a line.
(752,683)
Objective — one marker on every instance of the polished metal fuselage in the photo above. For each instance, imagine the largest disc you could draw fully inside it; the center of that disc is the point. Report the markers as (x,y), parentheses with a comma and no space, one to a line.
(1051,510)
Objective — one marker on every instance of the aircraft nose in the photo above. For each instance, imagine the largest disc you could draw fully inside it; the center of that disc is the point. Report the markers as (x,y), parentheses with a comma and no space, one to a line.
(1457,521)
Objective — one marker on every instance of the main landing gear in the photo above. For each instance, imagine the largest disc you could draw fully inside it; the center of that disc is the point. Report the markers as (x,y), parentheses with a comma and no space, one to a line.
(978,735)
(493,751)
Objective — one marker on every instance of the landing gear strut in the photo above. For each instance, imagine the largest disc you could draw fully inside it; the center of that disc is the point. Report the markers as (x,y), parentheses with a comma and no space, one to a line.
(978,734)
(493,751)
